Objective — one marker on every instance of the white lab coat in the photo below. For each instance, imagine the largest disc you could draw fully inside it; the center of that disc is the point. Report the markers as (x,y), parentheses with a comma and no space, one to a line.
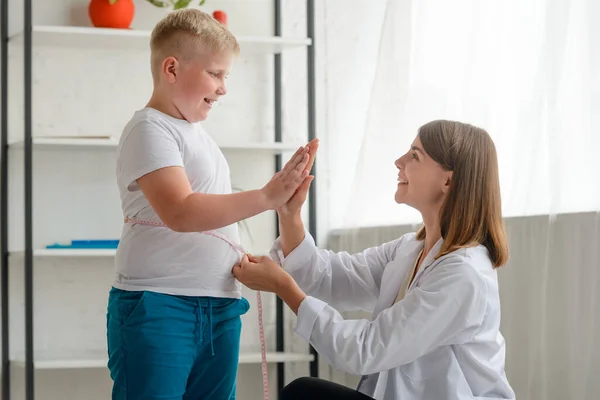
(441,342)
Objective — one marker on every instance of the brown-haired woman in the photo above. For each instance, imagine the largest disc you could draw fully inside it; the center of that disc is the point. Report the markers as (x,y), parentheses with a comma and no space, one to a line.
(434,333)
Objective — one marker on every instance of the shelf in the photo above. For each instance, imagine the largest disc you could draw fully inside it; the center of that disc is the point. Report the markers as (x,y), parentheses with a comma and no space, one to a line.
(100,143)
(255,358)
(68,253)
(66,142)
(100,361)
(79,253)
(74,252)
(90,37)
(273,147)
(65,363)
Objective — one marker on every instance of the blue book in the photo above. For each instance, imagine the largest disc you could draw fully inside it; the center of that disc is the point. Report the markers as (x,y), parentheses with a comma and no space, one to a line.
(86,244)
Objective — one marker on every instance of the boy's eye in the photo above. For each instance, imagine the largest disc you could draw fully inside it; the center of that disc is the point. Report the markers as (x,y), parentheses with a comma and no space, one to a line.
(414,156)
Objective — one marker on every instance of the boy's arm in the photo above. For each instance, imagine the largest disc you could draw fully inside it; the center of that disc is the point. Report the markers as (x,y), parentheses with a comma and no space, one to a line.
(169,193)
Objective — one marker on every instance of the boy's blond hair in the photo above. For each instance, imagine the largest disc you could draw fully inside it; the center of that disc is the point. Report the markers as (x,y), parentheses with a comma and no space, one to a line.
(188,32)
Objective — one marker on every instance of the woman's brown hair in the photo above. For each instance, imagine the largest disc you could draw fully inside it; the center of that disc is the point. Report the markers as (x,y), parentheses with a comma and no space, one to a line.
(472,211)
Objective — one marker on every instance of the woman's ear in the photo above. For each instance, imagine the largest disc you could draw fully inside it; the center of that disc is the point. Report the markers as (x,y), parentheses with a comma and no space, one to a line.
(447,183)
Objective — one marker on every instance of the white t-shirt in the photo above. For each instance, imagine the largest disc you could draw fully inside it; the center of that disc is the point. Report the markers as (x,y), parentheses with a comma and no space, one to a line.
(157,258)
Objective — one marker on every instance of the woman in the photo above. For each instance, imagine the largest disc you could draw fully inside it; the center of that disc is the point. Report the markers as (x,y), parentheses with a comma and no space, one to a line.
(434,334)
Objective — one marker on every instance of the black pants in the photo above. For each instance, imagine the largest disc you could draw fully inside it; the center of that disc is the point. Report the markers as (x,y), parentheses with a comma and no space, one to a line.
(319,389)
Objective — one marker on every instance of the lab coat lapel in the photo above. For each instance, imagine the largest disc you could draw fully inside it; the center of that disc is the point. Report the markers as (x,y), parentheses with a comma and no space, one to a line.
(429,259)
(410,250)
(392,277)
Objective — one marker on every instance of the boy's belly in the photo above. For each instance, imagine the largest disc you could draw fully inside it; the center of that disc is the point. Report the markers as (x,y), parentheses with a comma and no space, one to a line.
(193,264)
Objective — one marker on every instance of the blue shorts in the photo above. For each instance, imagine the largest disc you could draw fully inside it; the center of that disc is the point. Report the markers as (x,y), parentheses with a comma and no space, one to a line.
(173,347)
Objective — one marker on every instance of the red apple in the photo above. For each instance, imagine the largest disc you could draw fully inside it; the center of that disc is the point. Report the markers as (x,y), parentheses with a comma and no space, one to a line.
(220,16)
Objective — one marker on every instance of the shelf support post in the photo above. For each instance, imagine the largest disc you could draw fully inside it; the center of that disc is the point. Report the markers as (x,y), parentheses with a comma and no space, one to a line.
(278,120)
(5,393)
(29,370)
(312,133)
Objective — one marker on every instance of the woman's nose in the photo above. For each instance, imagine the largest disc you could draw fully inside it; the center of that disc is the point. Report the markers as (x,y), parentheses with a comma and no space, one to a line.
(399,163)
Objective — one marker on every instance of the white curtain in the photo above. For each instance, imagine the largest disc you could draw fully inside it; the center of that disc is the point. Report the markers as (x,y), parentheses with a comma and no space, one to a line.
(528,71)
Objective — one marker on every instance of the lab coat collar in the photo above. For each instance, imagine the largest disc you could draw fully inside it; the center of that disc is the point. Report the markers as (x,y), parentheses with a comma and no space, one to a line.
(412,248)
(429,259)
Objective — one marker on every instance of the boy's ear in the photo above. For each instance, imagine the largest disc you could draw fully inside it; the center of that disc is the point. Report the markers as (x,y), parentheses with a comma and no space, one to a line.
(170,69)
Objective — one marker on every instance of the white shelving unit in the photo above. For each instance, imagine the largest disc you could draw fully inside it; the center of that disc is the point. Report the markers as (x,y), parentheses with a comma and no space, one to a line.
(138,39)
(91,361)
(74,253)
(70,253)
(109,143)
(66,142)
(125,40)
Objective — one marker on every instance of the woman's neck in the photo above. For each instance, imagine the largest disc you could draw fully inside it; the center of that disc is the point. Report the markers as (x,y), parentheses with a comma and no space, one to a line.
(433,232)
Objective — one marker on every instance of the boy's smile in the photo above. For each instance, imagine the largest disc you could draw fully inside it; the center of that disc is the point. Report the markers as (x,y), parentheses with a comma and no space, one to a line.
(209,102)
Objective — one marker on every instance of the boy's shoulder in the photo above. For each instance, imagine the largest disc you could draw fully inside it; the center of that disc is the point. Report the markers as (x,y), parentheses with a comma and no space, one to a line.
(151,117)
(151,122)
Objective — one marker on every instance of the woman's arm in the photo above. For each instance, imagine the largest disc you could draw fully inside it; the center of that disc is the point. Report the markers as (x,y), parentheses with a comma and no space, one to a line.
(345,281)
(447,308)
(291,233)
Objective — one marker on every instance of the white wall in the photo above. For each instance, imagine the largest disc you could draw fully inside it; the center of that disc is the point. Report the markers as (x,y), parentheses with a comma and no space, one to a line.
(93,92)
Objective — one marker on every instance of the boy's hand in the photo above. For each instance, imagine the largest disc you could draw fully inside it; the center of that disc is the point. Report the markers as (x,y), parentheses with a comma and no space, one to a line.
(284,183)
(294,205)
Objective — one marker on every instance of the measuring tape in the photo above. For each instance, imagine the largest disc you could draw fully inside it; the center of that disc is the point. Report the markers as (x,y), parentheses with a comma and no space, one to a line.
(261,329)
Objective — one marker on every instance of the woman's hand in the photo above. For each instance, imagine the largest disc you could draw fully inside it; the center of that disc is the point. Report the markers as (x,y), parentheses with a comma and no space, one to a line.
(262,273)
(293,206)
(291,228)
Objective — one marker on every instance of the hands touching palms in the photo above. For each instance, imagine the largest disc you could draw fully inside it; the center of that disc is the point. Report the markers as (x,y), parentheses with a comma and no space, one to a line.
(291,179)
(262,273)
(294,205)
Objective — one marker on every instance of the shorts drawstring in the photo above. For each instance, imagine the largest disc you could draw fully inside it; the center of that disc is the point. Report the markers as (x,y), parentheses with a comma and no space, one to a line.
(210,322)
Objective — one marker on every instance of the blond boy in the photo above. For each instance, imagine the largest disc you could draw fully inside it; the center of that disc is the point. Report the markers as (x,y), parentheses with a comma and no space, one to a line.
(174,309)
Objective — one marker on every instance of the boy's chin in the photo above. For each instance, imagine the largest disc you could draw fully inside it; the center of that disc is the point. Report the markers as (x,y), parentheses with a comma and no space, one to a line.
(199,117)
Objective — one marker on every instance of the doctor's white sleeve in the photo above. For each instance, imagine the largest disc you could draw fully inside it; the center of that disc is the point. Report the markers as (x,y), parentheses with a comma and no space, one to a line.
(447,308)
(347,282)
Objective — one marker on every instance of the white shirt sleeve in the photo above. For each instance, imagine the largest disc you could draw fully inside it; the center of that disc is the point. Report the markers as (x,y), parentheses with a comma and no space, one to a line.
(446,308)
(147,147)
(347,282)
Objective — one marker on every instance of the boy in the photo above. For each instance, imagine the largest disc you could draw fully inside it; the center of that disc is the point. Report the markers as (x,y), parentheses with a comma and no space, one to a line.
(174,310)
